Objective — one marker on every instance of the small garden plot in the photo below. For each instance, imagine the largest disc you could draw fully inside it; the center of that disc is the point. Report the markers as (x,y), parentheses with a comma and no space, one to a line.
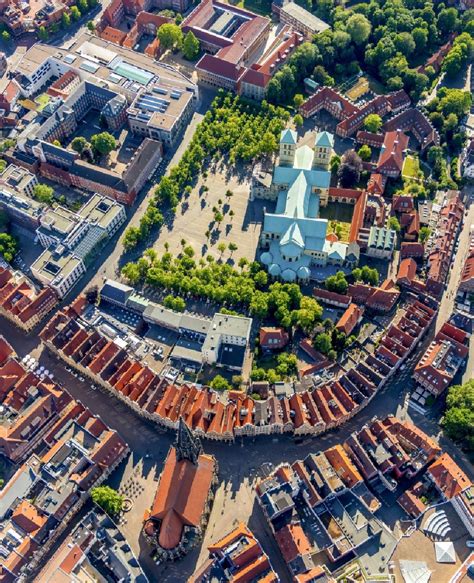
(411,169)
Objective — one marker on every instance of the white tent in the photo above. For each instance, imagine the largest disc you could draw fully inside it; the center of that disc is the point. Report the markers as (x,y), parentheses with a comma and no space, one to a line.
(445,552)
(415,571)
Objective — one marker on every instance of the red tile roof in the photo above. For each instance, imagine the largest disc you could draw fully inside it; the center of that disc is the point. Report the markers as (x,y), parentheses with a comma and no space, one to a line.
(406,271)
(331,297)
(349,319)
(448,476)
(411,250)
(181,496)
(381,298)
(273,337)
(392,154)
(292,542)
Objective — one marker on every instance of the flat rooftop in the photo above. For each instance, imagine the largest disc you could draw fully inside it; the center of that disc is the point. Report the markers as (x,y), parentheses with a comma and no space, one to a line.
(15,177)
(100,210)
(160,106)
(135,75)
(15,200)
(305,17)
(59,220)
(50,265)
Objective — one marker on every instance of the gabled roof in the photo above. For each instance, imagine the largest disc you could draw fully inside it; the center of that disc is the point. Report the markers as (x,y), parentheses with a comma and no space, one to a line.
(324,140)
(181,496)
(391,156)
(349,319)
(448,476)
(292,237)
(407,269)
(288,137)
(115,291)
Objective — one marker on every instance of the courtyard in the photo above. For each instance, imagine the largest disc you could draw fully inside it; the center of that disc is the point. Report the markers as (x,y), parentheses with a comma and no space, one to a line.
(127,143)
(339,216)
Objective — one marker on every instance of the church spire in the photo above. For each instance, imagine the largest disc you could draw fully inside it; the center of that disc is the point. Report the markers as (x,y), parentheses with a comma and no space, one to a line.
(188,446)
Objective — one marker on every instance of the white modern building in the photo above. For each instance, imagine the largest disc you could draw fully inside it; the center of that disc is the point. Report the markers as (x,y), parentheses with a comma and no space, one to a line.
(69,238)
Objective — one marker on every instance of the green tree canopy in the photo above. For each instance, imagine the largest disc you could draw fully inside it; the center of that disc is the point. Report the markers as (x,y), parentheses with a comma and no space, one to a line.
(365,153)
(393,223)
(337,283)
(79,143)
(43,34)
(103,143)
(359,27)
(219,383)
(43,193)
(191,46)
(322,342)
(298,119)
(458,419)
(75,13)
(8,246)
(424,234)
(170,36)
(108,499)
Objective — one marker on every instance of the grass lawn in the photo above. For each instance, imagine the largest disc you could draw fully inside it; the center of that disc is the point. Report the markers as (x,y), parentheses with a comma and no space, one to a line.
(42,101)
(339,215)
(266,361)
(263,7)
(343,231)
(411,167)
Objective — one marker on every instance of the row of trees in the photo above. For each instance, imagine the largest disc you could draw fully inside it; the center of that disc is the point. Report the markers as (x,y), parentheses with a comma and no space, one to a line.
(338,283)
(232,129)
(445,112)
(460,53)
(246,288)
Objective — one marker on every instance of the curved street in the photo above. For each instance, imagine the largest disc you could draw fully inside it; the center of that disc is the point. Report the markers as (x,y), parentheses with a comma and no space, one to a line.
(240,463)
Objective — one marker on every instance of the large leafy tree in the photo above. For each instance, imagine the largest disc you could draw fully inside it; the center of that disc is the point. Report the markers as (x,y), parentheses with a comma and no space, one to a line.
(459,415)
(78,144)
(43,193)
(337,283)
(373,122)
(103,143)
(170,36)
(191,46)
(8,246)
(350,169)
(108,499)
(359,27)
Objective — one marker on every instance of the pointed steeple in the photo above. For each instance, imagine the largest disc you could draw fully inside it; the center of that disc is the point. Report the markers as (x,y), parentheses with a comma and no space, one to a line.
(188,446)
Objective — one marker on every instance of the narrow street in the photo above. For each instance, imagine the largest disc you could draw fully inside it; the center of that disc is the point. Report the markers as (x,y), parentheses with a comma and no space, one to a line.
(447,303)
